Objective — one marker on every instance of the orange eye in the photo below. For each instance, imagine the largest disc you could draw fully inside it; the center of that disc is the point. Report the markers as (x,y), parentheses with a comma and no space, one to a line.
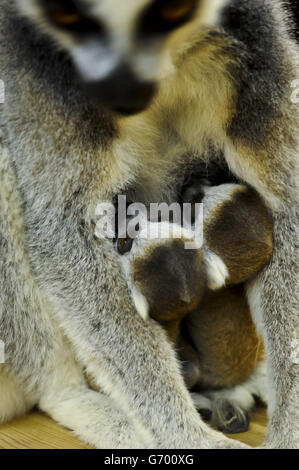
(64,18)
(67,17)
(176,10)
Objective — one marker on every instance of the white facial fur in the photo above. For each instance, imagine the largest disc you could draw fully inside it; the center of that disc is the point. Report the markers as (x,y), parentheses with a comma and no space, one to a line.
(94,61)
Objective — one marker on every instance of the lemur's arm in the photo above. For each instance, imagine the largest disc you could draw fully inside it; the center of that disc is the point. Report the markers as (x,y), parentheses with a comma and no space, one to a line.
(273,294)
(261,148)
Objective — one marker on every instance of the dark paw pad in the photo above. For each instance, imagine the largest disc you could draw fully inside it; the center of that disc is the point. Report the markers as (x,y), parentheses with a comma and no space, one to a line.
(229,417)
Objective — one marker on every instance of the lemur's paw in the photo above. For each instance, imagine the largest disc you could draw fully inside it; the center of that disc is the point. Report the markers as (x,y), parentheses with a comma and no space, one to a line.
(224,414)
(229,417)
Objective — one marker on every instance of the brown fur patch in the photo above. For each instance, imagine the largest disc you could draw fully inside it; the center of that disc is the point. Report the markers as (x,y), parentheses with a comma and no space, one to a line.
(240,233)
(172,279)
(225,338)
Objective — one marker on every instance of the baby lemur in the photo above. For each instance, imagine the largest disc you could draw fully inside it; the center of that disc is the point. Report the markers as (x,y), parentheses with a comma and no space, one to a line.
(106,95)
(211,327)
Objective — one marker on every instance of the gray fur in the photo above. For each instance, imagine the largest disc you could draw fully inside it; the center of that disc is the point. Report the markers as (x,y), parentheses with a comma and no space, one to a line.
(64,304)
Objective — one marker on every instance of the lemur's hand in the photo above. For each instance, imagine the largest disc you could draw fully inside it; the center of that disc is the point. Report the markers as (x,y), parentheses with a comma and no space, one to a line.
(166,279)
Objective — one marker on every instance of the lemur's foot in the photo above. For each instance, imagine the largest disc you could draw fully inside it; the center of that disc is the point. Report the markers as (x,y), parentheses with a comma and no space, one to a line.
(229,409)
(229,417)
(225,414)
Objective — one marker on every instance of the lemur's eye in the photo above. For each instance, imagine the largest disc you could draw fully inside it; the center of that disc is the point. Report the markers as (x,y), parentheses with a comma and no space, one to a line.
(175,10)
(62,17)
(163,16)
(66,15)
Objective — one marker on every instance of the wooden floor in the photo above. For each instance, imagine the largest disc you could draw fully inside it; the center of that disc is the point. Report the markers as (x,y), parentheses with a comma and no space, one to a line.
(37,431)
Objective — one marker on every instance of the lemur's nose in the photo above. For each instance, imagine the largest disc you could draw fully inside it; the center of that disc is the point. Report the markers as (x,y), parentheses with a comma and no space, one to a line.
(122,91)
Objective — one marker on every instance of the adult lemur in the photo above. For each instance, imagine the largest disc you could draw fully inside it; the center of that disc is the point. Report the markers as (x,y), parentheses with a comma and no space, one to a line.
(211,76)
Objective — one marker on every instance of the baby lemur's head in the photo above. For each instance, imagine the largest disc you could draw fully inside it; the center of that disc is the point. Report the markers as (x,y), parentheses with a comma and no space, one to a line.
(122,48)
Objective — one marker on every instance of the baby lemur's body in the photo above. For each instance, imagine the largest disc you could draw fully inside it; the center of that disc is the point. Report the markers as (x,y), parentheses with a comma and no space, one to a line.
(210,326)
(197,76)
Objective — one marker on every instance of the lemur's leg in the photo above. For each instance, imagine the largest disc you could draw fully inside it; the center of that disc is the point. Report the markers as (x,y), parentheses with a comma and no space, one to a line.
(273,295)
(273,298)
(93,416)
(229,408)
(13,401)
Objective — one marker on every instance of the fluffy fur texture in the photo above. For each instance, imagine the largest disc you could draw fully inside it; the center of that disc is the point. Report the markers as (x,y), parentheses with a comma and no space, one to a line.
(212,331)
(64,305)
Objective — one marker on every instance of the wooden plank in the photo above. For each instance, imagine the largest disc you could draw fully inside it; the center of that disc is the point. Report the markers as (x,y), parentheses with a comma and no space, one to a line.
(37,431)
